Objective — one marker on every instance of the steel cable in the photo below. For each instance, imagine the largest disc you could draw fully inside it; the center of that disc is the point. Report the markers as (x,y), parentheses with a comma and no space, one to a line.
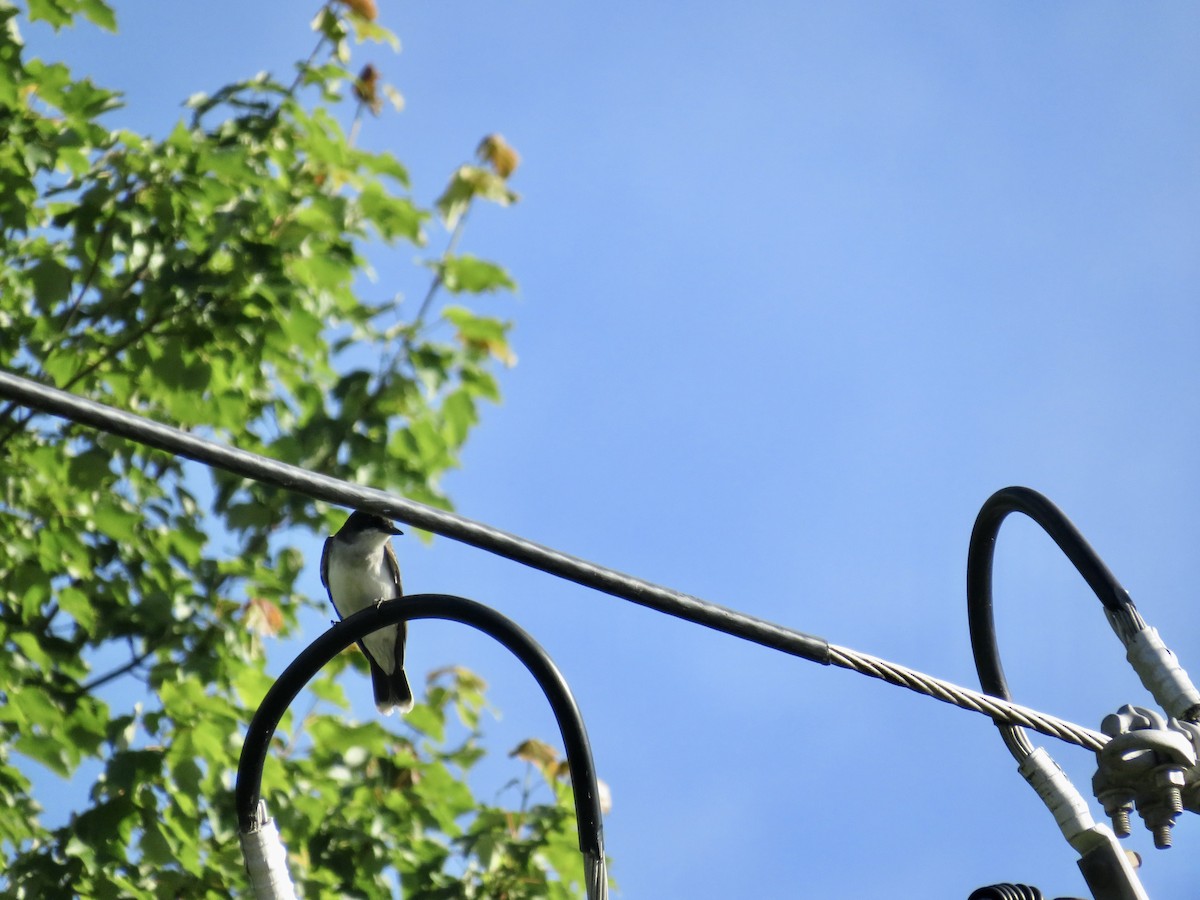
(1001,711)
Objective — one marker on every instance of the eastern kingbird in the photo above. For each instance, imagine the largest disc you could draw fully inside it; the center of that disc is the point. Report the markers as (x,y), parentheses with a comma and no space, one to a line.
(358,569)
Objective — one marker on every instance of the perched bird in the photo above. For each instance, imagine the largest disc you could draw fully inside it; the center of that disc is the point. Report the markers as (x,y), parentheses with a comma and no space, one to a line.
(358,569)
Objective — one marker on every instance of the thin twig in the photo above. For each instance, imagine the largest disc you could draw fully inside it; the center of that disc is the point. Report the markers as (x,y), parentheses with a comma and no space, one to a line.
(356,124)
(115,673)
(438,278)
(106,354)
(291,91)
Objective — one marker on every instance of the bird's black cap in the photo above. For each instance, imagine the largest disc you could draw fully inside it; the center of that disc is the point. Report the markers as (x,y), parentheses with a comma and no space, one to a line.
(364,521)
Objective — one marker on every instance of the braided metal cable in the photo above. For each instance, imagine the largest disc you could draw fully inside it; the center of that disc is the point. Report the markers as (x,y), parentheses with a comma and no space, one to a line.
(993,707)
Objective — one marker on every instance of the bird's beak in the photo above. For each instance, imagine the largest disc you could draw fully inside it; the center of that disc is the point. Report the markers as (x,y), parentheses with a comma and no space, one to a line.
(395,530)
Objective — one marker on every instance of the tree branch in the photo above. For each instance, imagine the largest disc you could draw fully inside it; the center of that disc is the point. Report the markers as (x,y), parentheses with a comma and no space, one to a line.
(115,673)
(438,278)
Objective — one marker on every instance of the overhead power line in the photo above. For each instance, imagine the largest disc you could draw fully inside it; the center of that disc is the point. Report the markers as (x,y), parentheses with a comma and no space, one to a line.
(994,708)
(554,562)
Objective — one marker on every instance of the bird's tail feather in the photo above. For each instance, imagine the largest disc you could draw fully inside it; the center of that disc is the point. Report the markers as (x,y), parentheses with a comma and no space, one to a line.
(391,691)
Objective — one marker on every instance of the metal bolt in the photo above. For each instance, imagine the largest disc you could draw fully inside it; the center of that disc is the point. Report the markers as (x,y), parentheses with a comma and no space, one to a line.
(1117,806)
(1120,821)
(1174,799)
(1162,836)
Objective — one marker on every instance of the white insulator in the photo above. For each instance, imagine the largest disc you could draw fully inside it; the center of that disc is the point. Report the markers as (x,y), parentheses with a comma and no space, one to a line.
(266,860)
(1068,806)
(1162,675)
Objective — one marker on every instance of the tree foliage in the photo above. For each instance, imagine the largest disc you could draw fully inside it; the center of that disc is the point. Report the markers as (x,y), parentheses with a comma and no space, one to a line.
(214,279)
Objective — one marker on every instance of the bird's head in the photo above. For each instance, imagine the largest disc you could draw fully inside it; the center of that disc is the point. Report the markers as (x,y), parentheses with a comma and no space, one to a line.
(364,524)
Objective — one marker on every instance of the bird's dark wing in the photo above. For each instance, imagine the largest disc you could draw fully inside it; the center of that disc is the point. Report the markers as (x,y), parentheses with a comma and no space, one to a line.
(393,567)
(325,566)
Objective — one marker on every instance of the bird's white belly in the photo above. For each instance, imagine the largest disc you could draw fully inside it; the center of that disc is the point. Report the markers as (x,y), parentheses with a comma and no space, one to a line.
(357,585)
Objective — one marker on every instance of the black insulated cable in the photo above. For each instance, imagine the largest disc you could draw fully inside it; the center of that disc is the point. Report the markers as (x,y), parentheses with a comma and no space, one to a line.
(450,525)
(980,556)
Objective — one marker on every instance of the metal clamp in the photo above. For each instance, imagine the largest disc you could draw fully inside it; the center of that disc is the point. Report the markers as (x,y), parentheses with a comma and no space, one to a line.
(1151,765)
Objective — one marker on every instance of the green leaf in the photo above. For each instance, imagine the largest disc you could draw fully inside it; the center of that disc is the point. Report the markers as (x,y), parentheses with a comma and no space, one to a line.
(460,417)
(366,30)
(35,709)
(115,520)
(31,648)
(467,183)
(330,692)
(106,823)
(388,166)
(486,333)
(89,470)
(99,13)
(47,750)
(427,721)
(51,282)
(393,217)
(303,330)
(474,327)
(54,12)
(129,769)
(78,606)
(321,271)
(476,276)
(156,849)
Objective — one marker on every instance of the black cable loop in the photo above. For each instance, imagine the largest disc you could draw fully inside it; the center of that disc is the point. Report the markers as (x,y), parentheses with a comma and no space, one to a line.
(1118,606)
(343,634)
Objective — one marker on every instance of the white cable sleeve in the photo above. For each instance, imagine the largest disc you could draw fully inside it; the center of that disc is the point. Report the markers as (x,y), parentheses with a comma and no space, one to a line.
(1162,675)
(266,860)
(1068,806)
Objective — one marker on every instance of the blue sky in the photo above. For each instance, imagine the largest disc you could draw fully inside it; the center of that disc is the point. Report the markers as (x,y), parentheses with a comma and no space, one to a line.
(801,286)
